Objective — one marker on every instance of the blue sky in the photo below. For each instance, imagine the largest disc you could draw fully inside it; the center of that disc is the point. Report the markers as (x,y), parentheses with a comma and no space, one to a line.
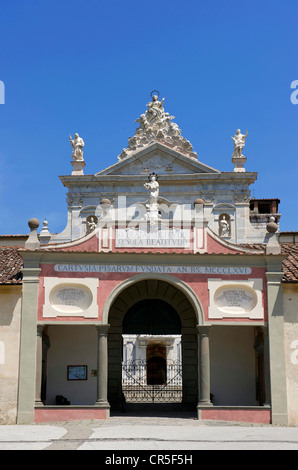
(89,67)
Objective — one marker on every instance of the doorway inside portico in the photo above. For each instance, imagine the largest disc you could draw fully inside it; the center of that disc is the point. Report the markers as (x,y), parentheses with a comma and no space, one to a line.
(153,348)
(151,364)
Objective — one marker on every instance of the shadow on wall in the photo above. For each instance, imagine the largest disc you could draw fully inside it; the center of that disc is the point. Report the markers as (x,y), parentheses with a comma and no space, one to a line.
(9,303)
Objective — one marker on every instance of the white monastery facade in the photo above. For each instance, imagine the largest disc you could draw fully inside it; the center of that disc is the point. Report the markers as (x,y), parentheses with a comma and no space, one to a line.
(169,286)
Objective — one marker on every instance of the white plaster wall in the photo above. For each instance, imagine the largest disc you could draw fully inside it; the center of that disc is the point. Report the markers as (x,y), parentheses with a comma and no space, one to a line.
(290,307)
(232,365)
(71,345)
(10,317)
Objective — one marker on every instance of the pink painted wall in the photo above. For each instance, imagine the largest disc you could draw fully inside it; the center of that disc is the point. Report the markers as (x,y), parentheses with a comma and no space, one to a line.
(93,243)
(48,415)
(261,416)
(108,281)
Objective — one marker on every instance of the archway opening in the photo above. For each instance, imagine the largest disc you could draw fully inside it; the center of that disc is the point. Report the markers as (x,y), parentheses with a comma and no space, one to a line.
(152,317)
(153,343)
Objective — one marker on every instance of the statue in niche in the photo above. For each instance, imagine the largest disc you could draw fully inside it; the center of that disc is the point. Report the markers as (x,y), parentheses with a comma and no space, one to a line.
(77,145)
(91,223)
(239,143)
(153,187)
(224,226)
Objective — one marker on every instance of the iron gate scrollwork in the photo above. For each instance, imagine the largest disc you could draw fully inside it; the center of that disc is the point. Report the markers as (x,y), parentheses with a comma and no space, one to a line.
(145,382)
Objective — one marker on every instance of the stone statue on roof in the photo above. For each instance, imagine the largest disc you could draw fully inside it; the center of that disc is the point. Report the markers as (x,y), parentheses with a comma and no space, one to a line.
(77,145)
(239,143)
(155,109)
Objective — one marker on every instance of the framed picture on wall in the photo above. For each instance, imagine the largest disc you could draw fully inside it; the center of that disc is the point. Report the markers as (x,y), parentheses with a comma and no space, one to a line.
(76,372)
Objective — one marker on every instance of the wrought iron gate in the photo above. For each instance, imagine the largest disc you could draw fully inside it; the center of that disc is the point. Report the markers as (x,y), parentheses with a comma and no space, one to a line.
(142,384)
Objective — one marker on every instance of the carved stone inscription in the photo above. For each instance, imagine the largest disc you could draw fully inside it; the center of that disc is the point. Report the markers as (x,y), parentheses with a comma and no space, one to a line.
(71,299)
(238,300)
(166,238)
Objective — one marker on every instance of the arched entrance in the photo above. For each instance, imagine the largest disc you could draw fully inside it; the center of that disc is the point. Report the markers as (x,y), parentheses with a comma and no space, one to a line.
(154,307)
(151,317)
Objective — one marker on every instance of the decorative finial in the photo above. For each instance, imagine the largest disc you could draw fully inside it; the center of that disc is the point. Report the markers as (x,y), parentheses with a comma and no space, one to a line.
(45,235)
(273,247)
(272,226)
(32,242)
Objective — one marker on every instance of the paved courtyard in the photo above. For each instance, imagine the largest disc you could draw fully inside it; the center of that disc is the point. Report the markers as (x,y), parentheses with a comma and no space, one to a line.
(156,434)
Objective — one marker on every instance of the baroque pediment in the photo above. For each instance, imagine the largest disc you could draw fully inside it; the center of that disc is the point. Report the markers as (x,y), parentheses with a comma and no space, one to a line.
(158,158)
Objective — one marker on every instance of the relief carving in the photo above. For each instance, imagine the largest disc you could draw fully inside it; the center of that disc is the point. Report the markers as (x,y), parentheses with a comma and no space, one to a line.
(238,300)
(155,125)
(70,299)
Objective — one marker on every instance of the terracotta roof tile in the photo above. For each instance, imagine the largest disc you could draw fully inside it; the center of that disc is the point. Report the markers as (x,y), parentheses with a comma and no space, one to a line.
(11,264)
(290,263)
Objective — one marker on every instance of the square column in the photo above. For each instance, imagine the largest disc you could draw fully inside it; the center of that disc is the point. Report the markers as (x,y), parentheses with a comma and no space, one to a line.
(278,380)
(28,344)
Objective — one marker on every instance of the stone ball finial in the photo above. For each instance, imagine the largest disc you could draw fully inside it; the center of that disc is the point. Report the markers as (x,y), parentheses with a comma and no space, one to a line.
(199,202)
(33,224)
(105,203)
(272,226)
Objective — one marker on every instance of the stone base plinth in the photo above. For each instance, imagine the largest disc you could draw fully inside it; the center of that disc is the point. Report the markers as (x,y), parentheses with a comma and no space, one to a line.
(78,167)
(239,163)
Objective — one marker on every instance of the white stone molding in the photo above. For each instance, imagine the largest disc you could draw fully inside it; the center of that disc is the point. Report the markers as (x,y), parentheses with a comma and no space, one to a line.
(235,299)
(199,240)
(105,239)
(70,297)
